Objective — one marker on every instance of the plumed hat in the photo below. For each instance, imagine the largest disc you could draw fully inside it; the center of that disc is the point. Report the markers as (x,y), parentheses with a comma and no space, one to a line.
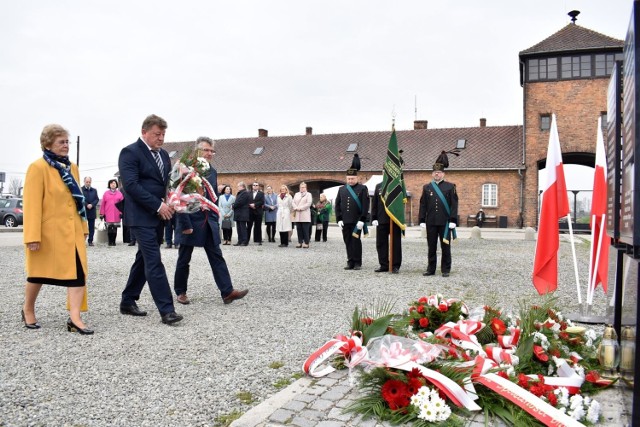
(355,166)
(442,162)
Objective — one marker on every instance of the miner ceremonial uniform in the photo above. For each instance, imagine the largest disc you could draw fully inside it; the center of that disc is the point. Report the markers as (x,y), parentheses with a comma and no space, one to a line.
(352,210)
(439,212)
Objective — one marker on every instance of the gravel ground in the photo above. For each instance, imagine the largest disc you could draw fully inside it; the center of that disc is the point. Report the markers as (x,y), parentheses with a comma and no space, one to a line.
(137,371)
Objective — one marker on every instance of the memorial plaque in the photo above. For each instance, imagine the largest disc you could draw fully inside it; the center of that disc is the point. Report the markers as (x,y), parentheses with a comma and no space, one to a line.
(629,207)
(613,147)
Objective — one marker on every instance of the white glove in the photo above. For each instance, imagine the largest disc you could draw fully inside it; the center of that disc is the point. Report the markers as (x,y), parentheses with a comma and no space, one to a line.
(423,225)
(359,225)
(452,225)
(341,225)
(374,222)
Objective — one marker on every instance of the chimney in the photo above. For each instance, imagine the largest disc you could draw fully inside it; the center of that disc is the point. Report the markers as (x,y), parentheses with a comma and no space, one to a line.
(483,123)
(263,133)
(309,130)
(420,124)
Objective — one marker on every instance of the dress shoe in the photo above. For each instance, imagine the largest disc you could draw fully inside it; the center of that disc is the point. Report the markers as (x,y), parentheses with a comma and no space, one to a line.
(183,299)
(169,246)
(357,267)
(90,243)
(132,244)
(428,273)
(171,318)
(305,246)
(245,244)
(282,246)
(395,270)
(381,270)
(259,243)
(234,295)
(238,244)
(71,327)
(132,310)
(445,274)
(298,246)
(35,325)
(349,267)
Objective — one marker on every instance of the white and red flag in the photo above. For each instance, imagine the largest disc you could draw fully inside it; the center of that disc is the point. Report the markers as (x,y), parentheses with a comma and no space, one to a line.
(554,206)
(599,258)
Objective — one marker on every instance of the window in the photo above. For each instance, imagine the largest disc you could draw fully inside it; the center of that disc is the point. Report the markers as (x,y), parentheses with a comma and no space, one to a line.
(461,143)
(490,195)
(258,151)
(603,121)
(171,154)
(543,69)
(352,147)
(571,67)
(545,121)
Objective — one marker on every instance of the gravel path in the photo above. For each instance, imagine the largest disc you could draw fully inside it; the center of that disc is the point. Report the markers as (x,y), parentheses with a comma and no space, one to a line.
(137,371)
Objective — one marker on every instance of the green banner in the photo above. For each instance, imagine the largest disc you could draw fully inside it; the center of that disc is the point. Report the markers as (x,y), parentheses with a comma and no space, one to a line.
(394,192)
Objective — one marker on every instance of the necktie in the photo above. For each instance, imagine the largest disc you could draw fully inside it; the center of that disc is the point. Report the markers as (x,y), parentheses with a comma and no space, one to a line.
(158,160)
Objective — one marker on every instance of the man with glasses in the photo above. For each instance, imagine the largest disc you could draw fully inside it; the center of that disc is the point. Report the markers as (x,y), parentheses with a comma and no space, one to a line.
(202,229)
(256,209)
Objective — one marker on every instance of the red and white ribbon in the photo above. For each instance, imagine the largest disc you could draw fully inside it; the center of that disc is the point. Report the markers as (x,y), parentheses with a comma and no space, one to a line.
(462,334)
(181,201)
(510,341)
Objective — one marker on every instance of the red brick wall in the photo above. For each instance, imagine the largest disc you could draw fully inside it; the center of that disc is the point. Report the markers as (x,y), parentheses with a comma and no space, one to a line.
(577,105)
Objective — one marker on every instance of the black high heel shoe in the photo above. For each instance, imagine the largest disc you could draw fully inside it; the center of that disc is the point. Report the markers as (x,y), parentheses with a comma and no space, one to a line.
(29,325)
(71,327)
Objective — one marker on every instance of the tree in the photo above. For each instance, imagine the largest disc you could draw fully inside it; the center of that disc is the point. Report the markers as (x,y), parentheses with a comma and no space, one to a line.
(15,186)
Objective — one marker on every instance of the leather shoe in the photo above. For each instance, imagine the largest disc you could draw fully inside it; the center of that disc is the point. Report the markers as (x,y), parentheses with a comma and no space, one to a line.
(428,273)
(234,295)
(445,274)
(132,244)
(169,246)
(171,318)
(395,270)
(90,243)
(132,310)
(349,267)
(357,267)
(381,270)
(237,244)
(183,299)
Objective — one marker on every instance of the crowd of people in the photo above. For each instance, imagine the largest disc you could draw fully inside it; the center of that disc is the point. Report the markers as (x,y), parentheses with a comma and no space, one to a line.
(56,248)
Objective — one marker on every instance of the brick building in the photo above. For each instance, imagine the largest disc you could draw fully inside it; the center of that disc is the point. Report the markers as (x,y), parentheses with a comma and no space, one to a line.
(497,170)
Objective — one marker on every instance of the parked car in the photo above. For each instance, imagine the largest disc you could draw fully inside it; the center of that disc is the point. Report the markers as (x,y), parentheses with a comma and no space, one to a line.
(11,212)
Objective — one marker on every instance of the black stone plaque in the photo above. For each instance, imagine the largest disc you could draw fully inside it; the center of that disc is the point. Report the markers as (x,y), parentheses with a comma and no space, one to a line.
(613,147)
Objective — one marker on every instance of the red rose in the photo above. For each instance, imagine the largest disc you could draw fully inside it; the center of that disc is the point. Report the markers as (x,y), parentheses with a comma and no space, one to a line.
(555,352)
(497,326)
(523,380)
(367,320)
(422,300)
(552,398)
(420,309)
(540,353)
(424,322)
(443,306)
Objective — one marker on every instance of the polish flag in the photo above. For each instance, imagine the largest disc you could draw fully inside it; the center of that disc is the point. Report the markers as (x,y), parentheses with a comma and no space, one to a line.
(554,206)
(600,243)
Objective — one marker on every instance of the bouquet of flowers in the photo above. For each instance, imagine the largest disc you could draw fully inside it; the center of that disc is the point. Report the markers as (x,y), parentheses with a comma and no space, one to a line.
(187,184)
(532,369)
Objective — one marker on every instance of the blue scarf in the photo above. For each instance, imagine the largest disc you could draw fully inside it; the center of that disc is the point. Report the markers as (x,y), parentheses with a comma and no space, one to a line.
(65,173)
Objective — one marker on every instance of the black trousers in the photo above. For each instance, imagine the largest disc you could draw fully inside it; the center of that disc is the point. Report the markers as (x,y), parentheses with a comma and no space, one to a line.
(243,233)
(382,245)
(284,238)
(435,233)
(271,231)
(227,233)
(353,245)
(112,233)
(256,225)
(303,230)
(322,233)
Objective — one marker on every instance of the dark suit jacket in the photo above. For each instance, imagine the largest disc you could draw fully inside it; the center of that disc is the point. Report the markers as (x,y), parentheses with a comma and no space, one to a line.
(241,206)
(258,201)
(432,211)
(90,198)
(377,207)
(145,187)
(197,221)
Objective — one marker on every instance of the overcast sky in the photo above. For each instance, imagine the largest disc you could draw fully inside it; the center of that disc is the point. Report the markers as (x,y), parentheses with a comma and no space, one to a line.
(225,69)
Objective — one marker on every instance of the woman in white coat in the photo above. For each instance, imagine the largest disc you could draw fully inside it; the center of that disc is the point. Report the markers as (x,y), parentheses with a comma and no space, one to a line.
(302,208)
(283,221)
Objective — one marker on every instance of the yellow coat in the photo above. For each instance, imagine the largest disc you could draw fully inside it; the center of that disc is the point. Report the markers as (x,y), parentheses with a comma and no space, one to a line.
(51,218)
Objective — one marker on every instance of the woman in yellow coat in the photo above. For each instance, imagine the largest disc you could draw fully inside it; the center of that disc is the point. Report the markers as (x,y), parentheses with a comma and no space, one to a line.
(55,228)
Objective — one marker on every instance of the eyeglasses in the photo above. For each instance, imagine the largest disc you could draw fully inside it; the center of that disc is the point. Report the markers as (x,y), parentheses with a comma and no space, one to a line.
(65,142)
(208,150)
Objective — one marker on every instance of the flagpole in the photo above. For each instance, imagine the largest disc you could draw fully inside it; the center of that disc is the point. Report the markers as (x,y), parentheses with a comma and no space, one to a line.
(592,285)
(575,260)
(390,244)
(591,266)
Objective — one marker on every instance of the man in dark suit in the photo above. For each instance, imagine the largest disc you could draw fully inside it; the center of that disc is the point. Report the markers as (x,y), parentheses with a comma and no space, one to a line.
(241,214)
(256,209)
(380,219)
(144,170)
(91,200)
(352,210)
(201,229)
(439,215)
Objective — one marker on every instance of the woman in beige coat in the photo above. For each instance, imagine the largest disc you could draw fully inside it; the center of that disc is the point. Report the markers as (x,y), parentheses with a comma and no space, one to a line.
(55,228)
(283,219)
(302,209)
